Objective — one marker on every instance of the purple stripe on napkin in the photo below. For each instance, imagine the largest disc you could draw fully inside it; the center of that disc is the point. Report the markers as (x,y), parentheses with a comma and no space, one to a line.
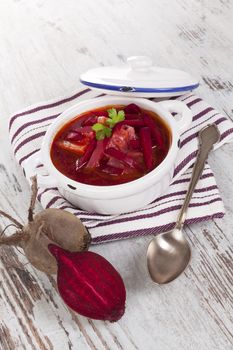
(184,162)
(153,230)
(202,113)
(33,122)
(28,127)
(28,155)
(190,104)
(47,106)
(29,139)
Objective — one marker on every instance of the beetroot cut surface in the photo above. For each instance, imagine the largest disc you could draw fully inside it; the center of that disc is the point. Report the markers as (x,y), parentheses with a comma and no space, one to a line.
(89,284)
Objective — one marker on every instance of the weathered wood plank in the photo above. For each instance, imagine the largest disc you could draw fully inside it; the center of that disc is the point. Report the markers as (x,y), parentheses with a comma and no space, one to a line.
(45,45)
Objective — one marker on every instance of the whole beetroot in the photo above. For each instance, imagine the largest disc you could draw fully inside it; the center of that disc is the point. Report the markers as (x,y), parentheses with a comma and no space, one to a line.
(49,226)
(89,284)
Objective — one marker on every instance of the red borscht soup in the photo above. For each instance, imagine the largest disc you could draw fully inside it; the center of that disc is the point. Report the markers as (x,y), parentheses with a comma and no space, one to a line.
(111,145)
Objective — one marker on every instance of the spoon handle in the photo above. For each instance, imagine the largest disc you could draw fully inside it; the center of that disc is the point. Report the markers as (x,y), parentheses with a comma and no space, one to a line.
(208,136)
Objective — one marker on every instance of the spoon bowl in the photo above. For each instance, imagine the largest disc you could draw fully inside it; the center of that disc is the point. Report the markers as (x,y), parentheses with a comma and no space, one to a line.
(169,253)
(171,249)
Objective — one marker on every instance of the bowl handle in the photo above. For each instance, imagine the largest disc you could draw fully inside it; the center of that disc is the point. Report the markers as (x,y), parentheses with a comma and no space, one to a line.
(31,169)
(184,115)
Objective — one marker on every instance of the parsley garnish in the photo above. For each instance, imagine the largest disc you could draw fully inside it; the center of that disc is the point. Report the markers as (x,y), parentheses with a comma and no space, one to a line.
(114,117)
(101,131)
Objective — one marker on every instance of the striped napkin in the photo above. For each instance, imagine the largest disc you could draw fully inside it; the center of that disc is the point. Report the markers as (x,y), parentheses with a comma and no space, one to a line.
(28,127)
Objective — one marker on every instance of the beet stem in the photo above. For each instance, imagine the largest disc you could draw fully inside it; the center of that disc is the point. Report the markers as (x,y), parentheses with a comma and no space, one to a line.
(34,189)
(16,239)
(9,217)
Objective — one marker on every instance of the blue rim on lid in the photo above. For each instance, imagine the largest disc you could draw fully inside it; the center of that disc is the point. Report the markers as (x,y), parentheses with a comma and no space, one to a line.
(139,78)
(138,89)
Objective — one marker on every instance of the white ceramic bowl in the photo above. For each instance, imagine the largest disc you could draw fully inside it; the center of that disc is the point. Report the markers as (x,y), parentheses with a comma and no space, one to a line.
(118,198)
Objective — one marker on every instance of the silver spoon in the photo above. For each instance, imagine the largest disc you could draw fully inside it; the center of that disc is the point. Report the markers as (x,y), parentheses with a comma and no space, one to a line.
(169,253)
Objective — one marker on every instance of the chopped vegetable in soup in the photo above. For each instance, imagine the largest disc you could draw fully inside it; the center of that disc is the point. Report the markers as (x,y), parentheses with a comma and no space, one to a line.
(111,145)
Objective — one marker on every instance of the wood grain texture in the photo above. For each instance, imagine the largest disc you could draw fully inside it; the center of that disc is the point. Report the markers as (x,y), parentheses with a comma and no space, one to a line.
(44,47)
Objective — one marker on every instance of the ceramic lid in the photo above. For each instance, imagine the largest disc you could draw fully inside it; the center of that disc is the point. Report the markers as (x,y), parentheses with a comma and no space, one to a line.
(139,78)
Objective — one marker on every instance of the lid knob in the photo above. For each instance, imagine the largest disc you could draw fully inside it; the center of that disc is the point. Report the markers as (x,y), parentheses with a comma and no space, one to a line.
(141,63)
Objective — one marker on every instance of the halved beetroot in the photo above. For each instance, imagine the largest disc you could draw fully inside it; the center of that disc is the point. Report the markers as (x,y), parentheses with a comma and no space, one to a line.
(89,284)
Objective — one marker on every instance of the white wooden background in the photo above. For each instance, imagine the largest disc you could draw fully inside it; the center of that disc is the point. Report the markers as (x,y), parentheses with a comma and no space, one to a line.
(44,46)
